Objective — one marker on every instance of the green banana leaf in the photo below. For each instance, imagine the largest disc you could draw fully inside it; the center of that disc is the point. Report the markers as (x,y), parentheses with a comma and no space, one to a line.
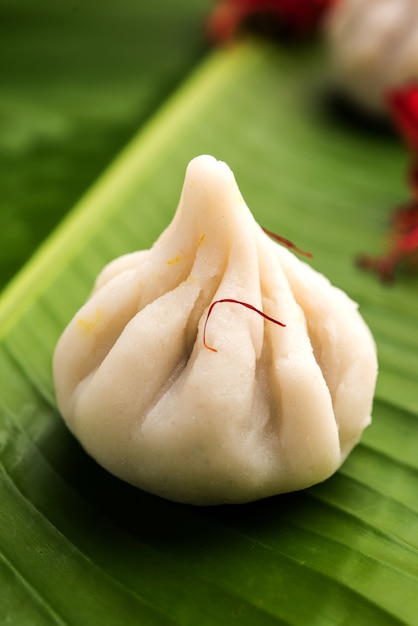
(76,82)
(77,546)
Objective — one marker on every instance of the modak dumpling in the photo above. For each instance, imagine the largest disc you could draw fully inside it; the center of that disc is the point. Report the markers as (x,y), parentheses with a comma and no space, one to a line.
(373,46)
(226,408)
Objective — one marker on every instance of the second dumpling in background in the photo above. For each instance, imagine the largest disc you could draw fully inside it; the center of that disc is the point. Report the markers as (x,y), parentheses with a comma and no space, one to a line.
(374,47)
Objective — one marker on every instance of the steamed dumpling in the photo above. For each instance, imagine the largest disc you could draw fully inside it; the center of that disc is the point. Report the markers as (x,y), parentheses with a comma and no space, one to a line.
(374,47)
(275,409)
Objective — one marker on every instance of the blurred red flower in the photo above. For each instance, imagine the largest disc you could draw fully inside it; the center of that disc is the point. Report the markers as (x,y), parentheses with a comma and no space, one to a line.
(403,106)
(403,246)
(299,17)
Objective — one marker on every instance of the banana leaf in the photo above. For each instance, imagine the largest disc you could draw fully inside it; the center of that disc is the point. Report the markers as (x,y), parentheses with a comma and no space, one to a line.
(77,546)
(76,82)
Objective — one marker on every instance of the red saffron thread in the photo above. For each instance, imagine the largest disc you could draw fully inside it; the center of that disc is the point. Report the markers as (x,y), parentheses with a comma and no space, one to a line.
(233,301)
(287,243)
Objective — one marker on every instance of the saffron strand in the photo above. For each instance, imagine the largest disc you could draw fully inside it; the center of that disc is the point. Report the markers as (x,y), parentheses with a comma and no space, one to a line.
(233,301)
(287,243)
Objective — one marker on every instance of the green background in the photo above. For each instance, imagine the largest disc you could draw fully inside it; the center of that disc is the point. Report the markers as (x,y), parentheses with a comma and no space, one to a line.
(77,80)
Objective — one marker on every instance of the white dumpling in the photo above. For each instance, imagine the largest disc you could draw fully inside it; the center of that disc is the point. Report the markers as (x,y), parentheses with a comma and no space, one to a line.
(275,409)
(373,46)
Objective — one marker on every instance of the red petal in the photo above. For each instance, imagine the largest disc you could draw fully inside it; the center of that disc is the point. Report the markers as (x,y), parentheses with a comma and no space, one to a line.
(299,16)
(403,105)
(404,244)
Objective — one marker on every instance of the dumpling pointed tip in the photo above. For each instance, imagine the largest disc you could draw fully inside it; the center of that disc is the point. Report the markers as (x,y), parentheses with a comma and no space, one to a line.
(210,188)
(207,166)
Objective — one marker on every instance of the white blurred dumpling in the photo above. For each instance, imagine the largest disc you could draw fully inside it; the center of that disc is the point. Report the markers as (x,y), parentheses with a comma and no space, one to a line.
(274,409)
(373,46)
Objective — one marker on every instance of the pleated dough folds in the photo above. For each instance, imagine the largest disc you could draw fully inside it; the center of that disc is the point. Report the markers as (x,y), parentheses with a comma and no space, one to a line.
(275,409)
